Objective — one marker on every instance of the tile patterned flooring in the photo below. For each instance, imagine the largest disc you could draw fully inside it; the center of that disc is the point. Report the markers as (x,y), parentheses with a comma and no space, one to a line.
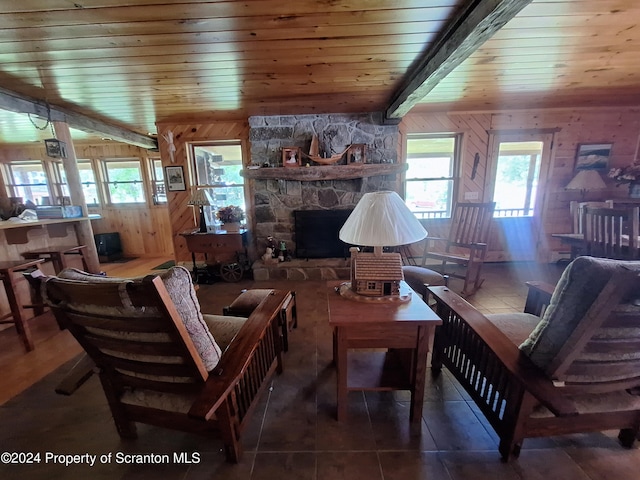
(294,433)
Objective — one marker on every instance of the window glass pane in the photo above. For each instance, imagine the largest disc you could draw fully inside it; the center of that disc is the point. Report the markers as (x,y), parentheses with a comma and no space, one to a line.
(124,181)
(87,179)
(159,188)
(516,182)
(30,182)
(430,167)
(430,176)
(218,166)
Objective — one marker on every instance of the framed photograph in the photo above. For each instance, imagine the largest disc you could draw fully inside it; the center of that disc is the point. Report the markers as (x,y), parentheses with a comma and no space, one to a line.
(593,156)
(291,156)
(357,153)
(175,179)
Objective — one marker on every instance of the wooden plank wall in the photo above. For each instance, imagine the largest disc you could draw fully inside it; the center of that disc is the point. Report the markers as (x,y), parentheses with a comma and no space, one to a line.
(475,140)
(620,126)
(144,230)
(182,215)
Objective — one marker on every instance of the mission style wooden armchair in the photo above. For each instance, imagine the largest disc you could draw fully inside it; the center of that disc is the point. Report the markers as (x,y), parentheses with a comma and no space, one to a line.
(162,362)
(466,244)
(576,369)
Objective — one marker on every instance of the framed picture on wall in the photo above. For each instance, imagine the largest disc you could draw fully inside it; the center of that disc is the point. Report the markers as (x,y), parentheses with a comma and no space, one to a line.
(593,156)
(291,157)
(175,179)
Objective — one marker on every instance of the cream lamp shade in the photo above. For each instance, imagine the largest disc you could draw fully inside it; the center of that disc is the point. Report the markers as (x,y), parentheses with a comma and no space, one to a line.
(381,219)
(586,180)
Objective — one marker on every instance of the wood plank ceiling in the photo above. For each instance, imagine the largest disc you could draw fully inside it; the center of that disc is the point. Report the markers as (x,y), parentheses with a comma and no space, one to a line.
(132,63)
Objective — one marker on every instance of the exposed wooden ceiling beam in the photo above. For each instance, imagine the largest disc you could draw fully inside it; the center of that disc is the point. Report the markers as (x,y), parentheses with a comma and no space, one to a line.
(16,102)
(466,33)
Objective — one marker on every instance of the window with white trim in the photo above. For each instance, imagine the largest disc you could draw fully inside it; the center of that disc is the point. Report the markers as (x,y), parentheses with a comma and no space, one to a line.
(159,190)
(431,177)
(123,180)
(87,181)
(217,167)
(28,180)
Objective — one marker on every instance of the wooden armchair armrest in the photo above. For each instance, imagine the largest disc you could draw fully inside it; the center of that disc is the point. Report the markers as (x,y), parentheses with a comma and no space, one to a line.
(538,297)
(484,346)
(239,355)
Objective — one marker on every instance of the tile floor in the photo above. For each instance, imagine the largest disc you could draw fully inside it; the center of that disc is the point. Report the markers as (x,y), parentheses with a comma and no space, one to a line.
(294,433)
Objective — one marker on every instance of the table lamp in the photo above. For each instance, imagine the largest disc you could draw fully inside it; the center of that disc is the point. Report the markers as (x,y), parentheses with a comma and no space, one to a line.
(380,219)
(585,181)
(200,198)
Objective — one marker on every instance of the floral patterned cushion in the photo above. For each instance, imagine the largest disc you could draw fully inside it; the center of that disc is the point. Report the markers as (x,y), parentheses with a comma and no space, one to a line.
(580,284)
(177,281)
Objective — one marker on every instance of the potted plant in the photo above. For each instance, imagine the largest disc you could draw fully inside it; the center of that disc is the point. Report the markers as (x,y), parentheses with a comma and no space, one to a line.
(230,216)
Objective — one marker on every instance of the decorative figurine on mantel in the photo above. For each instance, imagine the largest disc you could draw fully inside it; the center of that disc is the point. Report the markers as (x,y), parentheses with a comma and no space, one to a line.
(271,243)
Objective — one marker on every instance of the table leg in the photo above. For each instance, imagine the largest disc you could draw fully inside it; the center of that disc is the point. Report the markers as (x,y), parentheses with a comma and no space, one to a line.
(341,366)
(419,373)
(21,325)
(78,374)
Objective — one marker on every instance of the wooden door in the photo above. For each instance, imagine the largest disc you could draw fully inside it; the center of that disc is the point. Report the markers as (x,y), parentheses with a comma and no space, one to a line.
(518,167)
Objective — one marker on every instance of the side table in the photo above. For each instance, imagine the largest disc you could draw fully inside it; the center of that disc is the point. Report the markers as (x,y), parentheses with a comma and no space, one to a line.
(401,331)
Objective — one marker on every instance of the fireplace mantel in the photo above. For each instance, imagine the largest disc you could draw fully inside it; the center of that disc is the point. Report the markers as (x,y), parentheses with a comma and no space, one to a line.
(326,172)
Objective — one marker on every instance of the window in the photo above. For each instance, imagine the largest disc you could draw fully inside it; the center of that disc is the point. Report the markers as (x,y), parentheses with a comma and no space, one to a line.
(87,180)
(157,181)
(123,180)
(217,167)
(430,179)
(28,180)
(517,174)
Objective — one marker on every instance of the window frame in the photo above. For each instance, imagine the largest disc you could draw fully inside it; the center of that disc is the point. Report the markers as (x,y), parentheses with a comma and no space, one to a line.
(210,211)
(106,182)
(158,185)
(58,168)
(13,187)
(454,176)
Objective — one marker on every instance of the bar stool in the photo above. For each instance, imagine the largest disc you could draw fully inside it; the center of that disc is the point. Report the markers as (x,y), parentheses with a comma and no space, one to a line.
(8,269)
(56,255)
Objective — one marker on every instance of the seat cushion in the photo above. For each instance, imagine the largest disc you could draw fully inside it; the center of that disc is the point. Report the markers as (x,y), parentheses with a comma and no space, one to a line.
(224,328)
(580,284)
(247,301)
(516,326)
(177,281)
(416,277)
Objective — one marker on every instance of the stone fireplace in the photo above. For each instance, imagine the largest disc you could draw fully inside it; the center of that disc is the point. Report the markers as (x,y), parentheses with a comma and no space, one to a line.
(279,191)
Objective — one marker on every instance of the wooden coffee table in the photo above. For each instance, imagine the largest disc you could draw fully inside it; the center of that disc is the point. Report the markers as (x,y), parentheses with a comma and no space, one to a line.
(399,335)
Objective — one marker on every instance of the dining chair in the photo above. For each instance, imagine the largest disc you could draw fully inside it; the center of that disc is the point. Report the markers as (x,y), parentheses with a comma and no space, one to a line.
(612,232)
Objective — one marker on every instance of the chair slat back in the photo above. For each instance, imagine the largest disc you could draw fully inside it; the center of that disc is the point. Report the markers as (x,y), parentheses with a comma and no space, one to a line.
(471,223)
(131,330)
(612,232)
(578,212)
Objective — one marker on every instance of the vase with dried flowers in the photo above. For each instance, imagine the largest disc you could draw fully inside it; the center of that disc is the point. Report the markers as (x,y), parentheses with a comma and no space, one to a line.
(627,175)
(230,216)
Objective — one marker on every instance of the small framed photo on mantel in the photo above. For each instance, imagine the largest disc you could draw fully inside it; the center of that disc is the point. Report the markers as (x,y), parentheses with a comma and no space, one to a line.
(291,156)
(357,154)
